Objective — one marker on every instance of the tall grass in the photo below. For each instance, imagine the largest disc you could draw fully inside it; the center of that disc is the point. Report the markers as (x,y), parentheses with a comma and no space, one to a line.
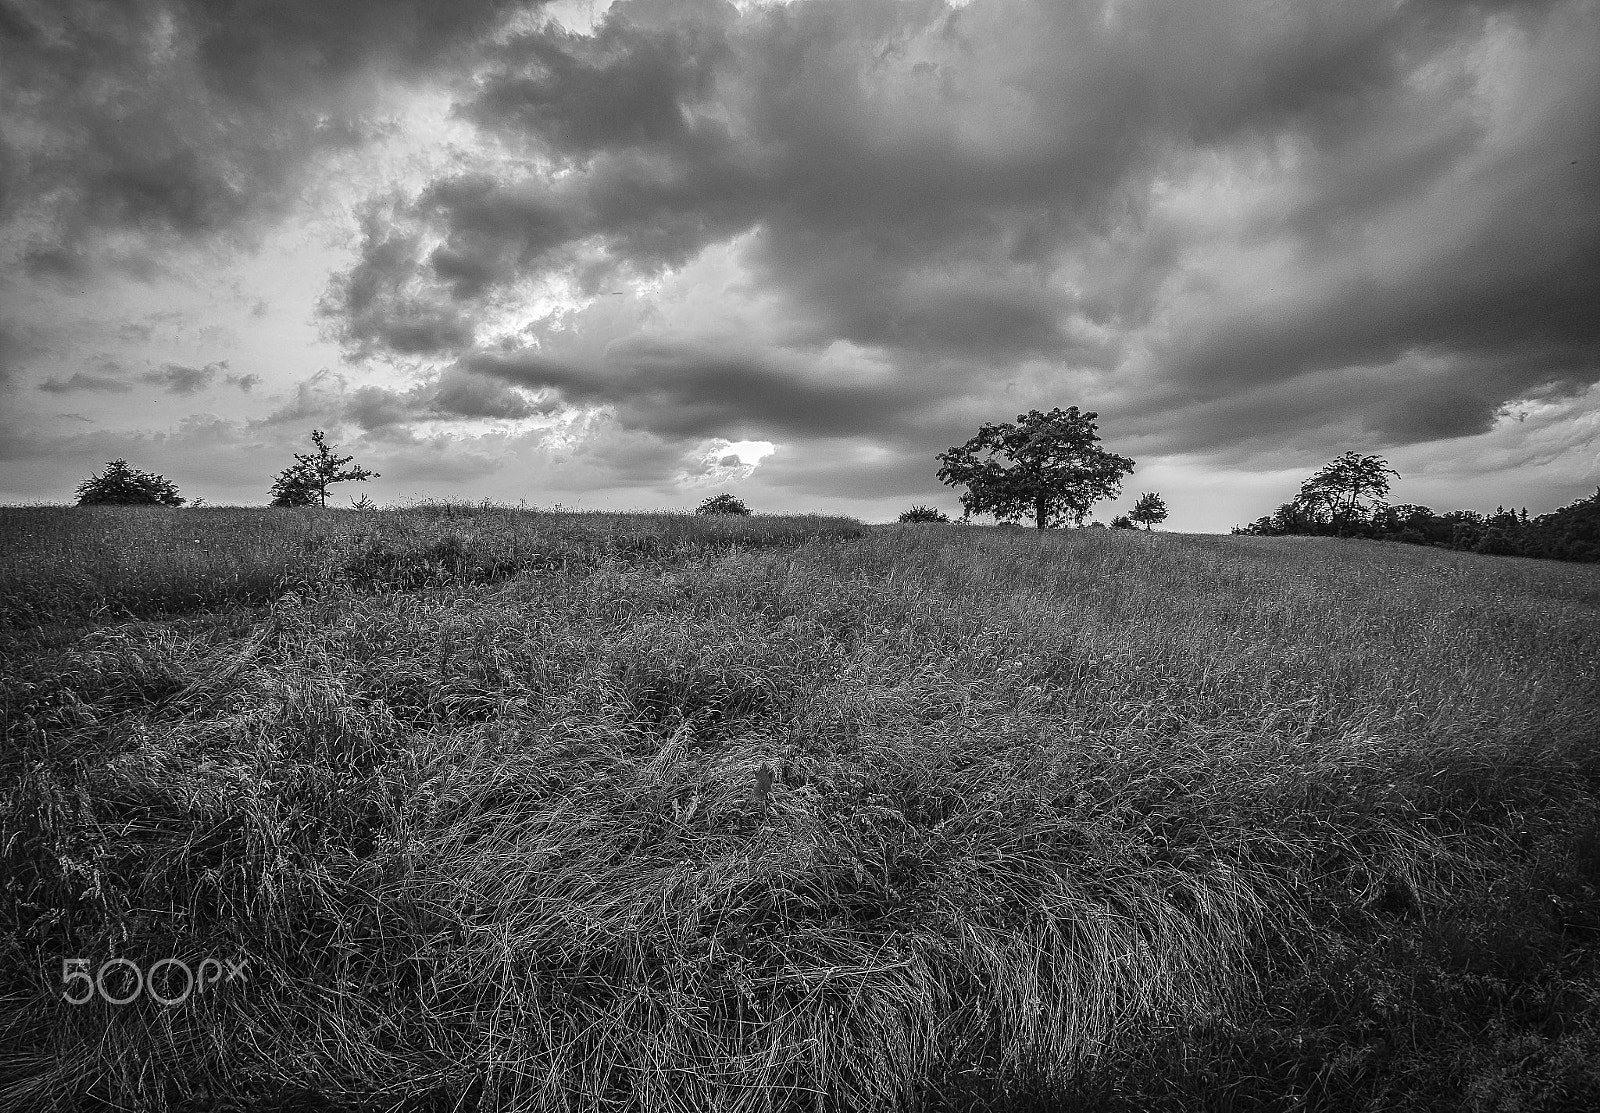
(513,811)
(63,567)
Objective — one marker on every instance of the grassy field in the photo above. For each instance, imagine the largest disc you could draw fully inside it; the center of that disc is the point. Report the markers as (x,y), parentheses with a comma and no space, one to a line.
(511,810)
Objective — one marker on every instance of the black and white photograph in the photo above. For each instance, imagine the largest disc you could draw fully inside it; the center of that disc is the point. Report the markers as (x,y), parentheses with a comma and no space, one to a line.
(799,556)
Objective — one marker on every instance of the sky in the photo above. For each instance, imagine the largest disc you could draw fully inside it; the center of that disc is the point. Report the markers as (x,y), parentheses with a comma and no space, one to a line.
(630,255)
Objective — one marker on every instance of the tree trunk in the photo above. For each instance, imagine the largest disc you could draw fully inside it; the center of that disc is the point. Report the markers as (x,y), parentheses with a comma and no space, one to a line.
(1038,511)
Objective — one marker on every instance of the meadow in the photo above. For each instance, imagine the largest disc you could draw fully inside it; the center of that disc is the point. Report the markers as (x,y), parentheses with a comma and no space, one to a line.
(505,809)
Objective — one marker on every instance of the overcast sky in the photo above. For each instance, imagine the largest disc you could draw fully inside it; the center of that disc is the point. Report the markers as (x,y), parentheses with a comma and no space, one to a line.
(629,255)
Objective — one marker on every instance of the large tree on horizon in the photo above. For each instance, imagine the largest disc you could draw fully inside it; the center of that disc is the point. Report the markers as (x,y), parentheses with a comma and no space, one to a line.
(1350,487)
(1047,466)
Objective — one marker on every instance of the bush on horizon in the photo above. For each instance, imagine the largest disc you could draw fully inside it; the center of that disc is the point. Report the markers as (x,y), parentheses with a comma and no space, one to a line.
(121,484)
(724,503)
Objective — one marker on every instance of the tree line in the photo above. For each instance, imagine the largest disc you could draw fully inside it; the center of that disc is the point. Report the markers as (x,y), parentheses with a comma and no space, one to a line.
(1348,497)
(1050,469)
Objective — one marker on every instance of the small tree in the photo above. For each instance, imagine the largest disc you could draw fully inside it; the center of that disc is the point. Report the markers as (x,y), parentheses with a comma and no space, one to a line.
(1149,510)
(723,504)
(305,483)
(924,514)
(123,485)
(1122,521)
(1047,466)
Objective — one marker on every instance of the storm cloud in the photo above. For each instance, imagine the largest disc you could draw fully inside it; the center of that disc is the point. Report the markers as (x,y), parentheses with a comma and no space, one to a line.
(1185,207)
(187,119)
(1247,232)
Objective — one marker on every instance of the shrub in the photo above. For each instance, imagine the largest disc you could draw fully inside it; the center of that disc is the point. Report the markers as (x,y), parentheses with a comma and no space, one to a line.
(920,513)
(124,485)
(1122,521)
(723,504)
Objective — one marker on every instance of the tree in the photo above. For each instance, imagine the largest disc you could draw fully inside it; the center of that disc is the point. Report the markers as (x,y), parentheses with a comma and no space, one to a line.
(305,482)
(723,504)
(924,514)
(1570,533)
(1407,515)
(1149,510)
(1048,466)
(1122,521)
(1290,518)
(124,485)
(295,486)
(1350,488)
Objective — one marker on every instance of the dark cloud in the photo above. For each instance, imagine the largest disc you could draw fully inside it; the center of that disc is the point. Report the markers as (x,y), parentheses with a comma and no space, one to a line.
(373,407)
(464,394)
(454,395)
(60,264)
(85,380)
(175,378)
(1233,227)
(318,398)
(984,187)
(630,84)
(380,305)
(194,118)
(457,394)
(256,49)
(684,390)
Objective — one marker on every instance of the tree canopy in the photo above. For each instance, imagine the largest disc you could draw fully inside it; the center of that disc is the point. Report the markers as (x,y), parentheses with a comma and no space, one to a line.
(1149,510)
(1348,489)
(121,484)
(1046,466)
(305,482)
